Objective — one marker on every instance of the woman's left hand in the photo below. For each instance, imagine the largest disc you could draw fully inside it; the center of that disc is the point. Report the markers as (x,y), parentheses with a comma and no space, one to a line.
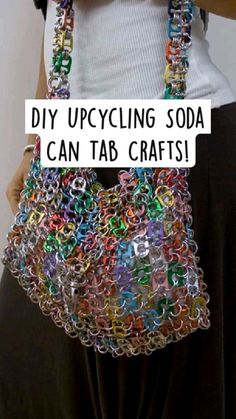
(16,183)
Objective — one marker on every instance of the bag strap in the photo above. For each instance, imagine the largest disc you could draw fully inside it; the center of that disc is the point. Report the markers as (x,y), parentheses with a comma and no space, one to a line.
(58,82)
(180,14)
(179,31)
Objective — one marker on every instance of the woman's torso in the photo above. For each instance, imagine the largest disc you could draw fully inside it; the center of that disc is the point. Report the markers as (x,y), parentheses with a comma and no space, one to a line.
(119,52)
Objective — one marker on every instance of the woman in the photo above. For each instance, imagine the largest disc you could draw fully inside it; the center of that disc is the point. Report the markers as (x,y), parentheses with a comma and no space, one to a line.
(46,375)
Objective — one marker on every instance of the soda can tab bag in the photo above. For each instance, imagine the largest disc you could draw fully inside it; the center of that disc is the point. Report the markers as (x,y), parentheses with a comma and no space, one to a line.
(116,268)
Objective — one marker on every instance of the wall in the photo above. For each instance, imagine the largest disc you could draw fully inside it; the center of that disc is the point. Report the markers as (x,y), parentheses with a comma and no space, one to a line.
(20,42)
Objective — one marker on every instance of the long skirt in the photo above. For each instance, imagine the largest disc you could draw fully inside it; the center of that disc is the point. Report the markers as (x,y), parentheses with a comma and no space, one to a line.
(44,374)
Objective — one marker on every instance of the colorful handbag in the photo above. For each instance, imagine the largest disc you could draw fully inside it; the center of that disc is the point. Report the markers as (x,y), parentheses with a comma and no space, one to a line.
(118,267)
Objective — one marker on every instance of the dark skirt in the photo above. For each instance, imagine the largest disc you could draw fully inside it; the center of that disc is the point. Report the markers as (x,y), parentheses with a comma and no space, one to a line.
(44,374)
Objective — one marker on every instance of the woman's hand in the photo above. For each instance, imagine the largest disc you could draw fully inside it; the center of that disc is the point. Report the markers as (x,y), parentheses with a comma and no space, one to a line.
(16,183)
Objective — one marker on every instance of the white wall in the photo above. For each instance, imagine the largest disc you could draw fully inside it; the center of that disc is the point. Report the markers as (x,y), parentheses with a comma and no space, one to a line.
(20,42)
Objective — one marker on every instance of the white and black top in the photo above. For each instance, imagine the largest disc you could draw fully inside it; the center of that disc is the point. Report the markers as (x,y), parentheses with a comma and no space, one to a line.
(119,52)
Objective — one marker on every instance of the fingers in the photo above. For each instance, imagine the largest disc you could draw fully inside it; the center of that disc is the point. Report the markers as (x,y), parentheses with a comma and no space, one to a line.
(13,194)
(14,189)
(26,164)
(16,184)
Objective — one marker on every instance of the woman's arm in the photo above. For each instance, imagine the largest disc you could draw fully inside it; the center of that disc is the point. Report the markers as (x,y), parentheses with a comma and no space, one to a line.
(225,8)
(16,183)
(41,87)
